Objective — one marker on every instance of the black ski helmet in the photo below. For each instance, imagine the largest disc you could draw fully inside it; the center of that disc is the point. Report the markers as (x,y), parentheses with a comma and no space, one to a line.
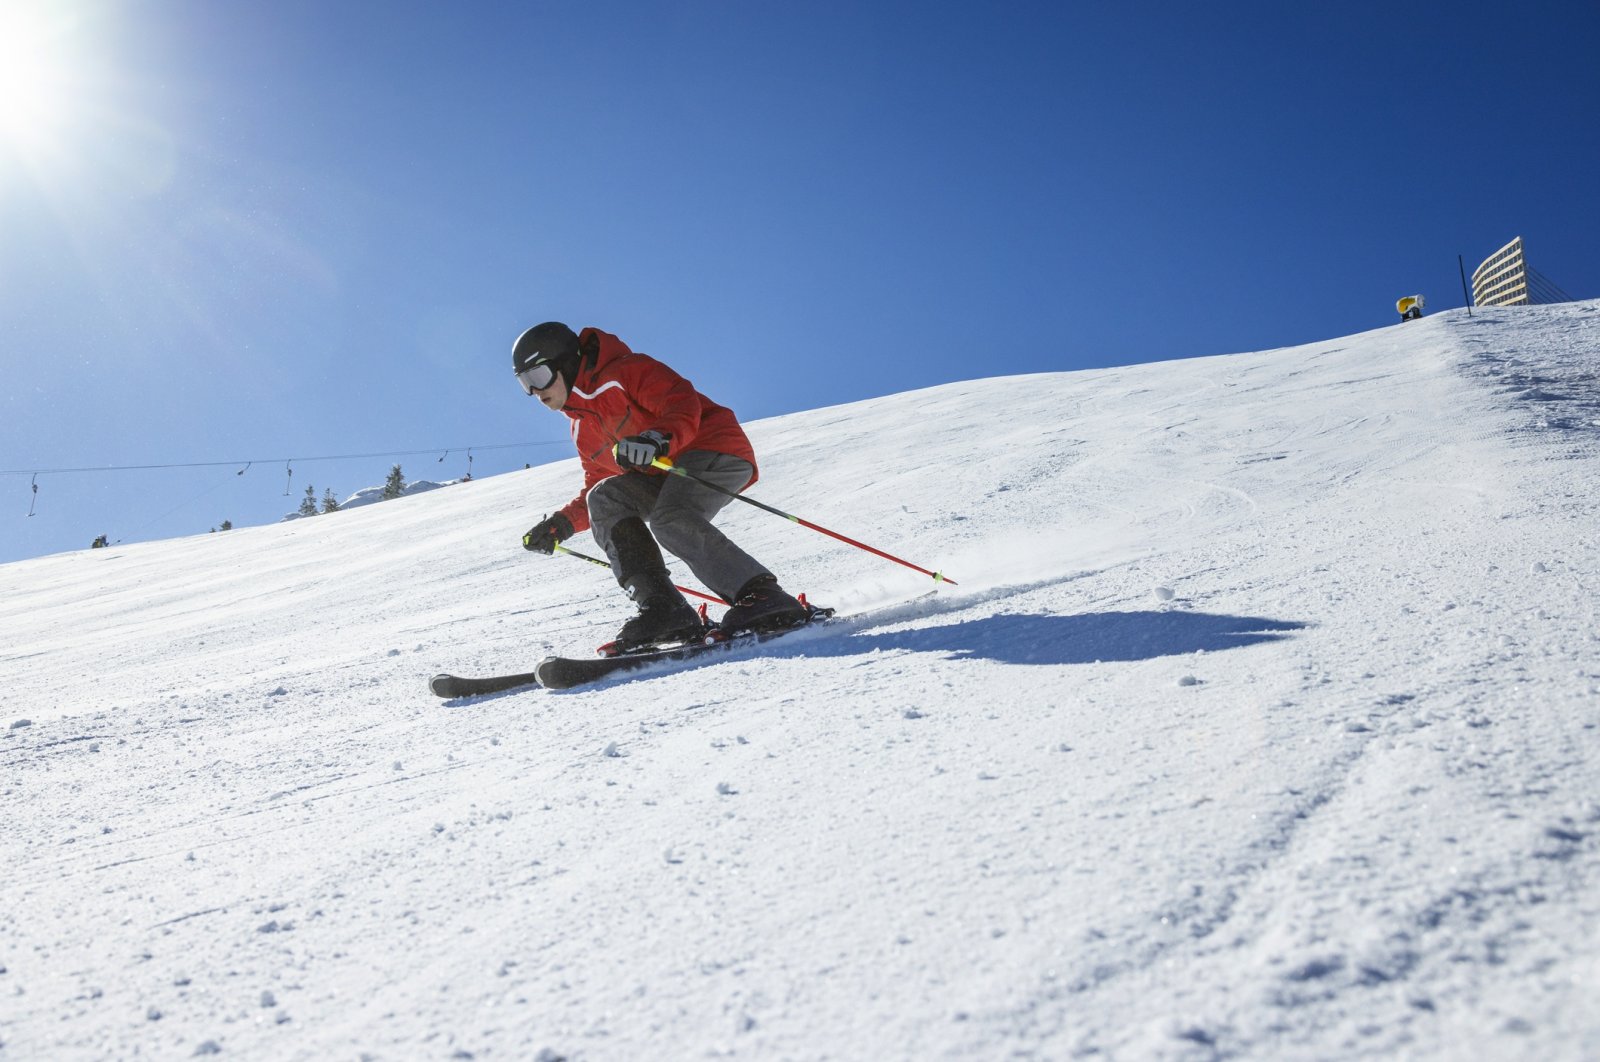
(551,342)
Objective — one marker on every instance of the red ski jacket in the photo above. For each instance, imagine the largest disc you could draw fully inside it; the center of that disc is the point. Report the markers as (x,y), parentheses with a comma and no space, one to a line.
(617,393)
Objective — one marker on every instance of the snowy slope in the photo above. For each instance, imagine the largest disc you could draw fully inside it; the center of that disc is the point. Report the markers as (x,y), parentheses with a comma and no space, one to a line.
(1262,724)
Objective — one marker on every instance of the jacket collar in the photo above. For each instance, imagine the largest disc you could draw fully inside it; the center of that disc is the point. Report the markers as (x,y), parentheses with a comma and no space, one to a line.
(597,350)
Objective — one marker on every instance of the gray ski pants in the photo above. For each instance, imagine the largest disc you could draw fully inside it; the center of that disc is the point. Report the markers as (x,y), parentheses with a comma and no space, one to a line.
(678,512)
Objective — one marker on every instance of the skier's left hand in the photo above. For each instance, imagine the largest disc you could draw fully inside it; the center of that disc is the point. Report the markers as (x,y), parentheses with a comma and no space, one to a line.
(638,451)
(543,536)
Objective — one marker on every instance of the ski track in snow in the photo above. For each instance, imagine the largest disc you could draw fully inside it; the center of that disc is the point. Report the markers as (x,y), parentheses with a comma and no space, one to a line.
(1261,724)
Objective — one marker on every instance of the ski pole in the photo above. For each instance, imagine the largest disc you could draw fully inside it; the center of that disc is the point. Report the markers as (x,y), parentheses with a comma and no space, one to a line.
(667,466)
(605,564)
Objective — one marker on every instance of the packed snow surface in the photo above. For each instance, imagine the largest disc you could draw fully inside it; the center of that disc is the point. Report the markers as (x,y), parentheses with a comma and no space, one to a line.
(1261,722)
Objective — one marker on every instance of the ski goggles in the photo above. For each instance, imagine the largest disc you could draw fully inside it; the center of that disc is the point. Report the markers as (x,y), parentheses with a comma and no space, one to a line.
(537,377)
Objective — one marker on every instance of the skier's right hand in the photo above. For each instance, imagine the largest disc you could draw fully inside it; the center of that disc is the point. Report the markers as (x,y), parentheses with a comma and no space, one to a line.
(543,536)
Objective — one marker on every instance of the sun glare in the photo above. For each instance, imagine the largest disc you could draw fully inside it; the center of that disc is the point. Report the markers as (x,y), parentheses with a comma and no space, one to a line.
(36,76)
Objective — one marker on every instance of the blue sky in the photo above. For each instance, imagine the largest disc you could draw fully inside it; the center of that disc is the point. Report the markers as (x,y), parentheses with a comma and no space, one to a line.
(249,232)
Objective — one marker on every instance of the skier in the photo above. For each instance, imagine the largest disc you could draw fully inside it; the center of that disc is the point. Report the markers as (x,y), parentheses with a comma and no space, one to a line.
(627,410)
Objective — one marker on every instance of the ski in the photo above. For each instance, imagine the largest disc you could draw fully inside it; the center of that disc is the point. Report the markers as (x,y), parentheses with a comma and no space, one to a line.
(447,685)
(562,672)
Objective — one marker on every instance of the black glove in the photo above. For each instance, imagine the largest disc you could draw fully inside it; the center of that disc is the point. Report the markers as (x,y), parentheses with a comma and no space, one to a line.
(543,536)
(637,451)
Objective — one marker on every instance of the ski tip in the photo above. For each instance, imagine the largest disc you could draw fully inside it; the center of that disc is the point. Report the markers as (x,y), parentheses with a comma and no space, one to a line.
(452,687)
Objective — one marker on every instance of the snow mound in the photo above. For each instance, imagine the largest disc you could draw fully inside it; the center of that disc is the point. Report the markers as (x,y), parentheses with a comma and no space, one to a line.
(373,495)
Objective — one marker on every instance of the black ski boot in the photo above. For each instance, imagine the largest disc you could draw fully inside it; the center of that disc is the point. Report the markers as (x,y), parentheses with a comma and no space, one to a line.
(664,618)
(762,605)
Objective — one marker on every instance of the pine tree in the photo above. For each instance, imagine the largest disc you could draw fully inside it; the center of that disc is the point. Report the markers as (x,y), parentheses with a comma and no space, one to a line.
(330,504)
(227,525)
(395,485)
(308,504)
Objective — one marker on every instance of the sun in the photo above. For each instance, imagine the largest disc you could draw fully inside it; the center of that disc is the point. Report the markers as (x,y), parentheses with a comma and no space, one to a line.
(36,76)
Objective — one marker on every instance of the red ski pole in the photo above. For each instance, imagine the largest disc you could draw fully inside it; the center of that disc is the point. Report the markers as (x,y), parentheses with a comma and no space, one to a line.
(667,466)
(605,564)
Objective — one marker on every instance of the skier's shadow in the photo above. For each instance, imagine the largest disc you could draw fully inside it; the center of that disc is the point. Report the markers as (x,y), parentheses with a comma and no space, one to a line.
(1077,639)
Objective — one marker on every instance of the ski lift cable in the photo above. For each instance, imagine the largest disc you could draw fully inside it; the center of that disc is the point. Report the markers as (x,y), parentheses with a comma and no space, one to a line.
(260,460)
